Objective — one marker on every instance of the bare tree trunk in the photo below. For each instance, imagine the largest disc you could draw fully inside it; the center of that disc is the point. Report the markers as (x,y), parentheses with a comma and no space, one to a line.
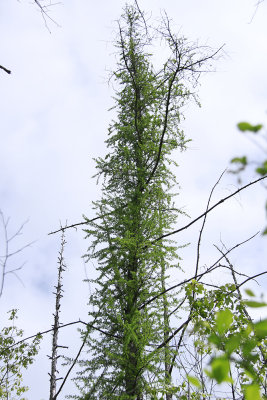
(54,357)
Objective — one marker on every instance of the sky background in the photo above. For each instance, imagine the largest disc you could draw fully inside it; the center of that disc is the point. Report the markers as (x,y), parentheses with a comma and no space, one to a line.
(54,121)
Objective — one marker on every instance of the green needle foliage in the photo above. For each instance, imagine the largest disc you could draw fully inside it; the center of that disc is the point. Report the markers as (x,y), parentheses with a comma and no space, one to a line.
(128,350)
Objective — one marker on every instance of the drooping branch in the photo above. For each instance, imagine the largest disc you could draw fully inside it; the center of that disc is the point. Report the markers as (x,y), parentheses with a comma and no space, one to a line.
(44,10)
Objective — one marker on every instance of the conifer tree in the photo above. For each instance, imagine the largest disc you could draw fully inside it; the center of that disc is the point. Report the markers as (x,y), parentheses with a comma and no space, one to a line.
(128,353)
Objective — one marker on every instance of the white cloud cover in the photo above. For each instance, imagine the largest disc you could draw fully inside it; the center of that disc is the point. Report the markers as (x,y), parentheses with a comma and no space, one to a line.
(54,120)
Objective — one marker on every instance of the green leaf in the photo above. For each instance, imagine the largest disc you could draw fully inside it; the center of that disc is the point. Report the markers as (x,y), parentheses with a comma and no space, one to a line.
(239,160)
(265,231)
(252,392)
(194,381)
(246,126)
(223,320)
(233,343)
(219,370)
(249,293)
(262,170)
(254,304)
(247,347)
(260,329)
(215,339)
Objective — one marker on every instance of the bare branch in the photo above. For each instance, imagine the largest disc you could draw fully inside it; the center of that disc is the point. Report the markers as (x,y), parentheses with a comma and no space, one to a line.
(184,325)
(204,221)
(256,9)
(7,253)
(71,367)
(250,279)
(199,276)
(87,221)
(142,16)
(210,209)
(44,10)
(5,69)
(88,325)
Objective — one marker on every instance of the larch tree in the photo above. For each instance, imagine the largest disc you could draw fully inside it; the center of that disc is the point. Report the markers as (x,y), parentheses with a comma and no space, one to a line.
(129,356)
(140,329)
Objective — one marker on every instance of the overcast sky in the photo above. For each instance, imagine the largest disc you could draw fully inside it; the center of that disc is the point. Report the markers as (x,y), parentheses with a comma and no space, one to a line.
(54,120)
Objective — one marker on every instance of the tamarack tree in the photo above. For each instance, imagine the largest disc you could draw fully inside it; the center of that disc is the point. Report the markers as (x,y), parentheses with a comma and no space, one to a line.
(144,338)
(129,357)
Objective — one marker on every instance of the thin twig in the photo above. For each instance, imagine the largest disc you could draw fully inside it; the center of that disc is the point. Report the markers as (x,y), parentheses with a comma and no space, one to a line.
(198,277)
(210,209)
(204,222)
(87,221)
(89,325)
(45,13)
(72,365)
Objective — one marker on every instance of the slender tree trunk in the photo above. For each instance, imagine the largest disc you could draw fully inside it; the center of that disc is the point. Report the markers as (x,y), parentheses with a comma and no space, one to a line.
(54,357)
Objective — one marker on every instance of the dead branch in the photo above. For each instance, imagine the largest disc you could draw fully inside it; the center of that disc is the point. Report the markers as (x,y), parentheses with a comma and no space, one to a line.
(198,277)
(45,10)
(210,209)
(59,295)
(72,365)
(7,253)
(204,222)
(5,69)
(87,221)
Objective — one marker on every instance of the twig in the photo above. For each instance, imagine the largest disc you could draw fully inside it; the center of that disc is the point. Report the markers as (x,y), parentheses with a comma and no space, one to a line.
(204,221)
(87,221)
(5,69)
(210,209)
(89,325)
(142,16)
(173,232)
(184,324)
(198,277)
(72,365)
(45,14)
(7,254)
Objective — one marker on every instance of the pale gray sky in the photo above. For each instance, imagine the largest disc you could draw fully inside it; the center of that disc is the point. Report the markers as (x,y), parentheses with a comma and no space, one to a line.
(54,120)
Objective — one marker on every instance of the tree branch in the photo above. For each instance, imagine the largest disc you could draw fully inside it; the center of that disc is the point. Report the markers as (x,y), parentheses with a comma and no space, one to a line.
(199,276)
(89,325)
(5,69)
(209,210)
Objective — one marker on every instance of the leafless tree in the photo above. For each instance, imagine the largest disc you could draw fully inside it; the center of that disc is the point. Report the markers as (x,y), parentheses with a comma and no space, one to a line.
(7,253)
(59,294)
